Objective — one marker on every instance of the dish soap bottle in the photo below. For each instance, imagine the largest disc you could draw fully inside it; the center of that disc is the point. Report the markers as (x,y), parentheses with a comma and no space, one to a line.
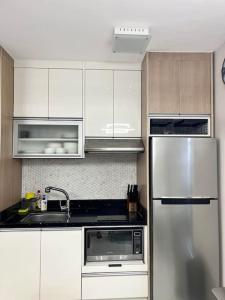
(44,202)
(38,197)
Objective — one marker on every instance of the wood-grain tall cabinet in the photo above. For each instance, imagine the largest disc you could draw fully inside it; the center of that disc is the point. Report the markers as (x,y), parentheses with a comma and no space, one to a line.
(10,169)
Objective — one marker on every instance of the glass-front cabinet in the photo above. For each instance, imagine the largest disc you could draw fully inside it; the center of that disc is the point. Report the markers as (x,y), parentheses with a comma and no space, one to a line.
(48,138)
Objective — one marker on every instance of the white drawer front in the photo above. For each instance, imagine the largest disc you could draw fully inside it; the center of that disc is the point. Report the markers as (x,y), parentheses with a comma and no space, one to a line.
(115,287)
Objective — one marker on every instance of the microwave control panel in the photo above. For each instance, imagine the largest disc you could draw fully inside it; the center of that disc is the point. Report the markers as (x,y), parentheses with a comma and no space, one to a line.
(137,242)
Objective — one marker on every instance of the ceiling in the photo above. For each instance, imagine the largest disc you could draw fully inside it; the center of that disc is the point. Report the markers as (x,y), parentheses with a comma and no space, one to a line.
(82,29)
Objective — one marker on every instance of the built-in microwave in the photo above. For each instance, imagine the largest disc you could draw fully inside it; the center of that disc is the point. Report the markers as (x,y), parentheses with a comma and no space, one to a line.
(168,125)
(114,244)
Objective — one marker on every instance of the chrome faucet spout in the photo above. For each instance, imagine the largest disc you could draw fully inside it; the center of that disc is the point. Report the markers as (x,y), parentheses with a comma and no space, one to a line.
(62,207)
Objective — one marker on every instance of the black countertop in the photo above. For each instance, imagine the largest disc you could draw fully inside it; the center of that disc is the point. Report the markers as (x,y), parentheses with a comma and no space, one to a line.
(83,213)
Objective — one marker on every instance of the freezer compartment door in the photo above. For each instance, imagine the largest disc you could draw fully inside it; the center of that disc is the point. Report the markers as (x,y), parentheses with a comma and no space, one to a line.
(184,168)
(185,249)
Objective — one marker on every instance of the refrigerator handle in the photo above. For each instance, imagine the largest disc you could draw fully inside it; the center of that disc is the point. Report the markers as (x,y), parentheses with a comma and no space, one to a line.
(185,201)
(197,197)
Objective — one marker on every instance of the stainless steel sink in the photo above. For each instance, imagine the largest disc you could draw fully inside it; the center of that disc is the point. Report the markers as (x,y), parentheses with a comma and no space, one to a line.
(50,217)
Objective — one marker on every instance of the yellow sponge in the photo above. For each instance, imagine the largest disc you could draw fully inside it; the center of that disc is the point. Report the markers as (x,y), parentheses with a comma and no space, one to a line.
(23,211)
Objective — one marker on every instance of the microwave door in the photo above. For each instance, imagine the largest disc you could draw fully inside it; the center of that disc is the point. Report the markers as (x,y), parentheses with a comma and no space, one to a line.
(108,245)
(184,167)
(113,244)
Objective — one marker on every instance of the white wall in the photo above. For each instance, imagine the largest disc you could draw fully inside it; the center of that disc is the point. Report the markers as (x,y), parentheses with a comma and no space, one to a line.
(98,176)
(220,134)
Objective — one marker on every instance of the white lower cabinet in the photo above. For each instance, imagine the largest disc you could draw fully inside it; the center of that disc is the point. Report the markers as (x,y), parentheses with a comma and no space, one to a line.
(19,265)
(115,286)
(60,265)
(40,265)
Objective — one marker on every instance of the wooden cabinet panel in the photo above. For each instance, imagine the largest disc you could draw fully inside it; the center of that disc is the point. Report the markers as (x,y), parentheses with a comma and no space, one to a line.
(179,83)
(30,92)
(65,93)
(99,103)
(127,103)
(164,86)
(20,265)
(195,86)
(61,265)
(10,169)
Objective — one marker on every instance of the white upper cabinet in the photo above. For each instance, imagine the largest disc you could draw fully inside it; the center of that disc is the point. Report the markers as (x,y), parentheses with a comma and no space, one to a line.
(112,96)
(30,92)
(20,265)
(113,103)
(99,103)
(65,93)
(127,103)
(60,265)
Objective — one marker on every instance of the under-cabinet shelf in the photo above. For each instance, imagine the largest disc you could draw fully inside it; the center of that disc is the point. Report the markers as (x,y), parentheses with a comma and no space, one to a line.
(46,140)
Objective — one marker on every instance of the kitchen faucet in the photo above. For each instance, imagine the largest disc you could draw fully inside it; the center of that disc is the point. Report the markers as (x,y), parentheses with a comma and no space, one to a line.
(62,207)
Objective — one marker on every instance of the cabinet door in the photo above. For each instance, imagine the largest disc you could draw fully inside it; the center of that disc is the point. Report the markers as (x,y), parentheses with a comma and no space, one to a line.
(99,103)
(48,138)
(65,93)
(61,265)
(114,286)
(164,94)
(195,85)
(127,103)
(20,265)
(30,92)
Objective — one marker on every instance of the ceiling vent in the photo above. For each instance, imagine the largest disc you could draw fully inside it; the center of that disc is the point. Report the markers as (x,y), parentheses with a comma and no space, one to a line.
(130,40)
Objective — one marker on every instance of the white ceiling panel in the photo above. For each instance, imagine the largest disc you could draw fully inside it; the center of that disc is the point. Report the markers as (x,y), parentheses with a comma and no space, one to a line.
(83,29)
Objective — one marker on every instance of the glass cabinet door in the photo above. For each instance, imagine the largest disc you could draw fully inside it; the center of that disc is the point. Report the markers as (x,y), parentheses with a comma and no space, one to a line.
(37,138)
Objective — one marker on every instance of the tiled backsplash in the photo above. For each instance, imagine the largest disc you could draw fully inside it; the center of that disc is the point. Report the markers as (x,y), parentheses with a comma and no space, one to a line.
(98,176)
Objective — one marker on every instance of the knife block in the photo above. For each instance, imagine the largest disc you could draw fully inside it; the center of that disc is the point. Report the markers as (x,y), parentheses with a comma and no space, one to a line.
(132,198)
(132,206)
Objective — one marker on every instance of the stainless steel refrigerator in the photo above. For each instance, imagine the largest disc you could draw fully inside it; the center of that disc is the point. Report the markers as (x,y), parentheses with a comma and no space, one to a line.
(184,218)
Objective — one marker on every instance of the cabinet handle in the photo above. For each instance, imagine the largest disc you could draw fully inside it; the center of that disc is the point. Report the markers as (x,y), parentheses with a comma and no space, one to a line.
(115,265)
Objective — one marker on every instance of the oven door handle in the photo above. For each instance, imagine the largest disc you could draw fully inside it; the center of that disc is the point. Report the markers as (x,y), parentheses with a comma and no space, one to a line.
(104,274)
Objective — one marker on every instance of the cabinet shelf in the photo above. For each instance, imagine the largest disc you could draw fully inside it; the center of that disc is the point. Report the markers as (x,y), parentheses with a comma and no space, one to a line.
(44,155)
(48,140)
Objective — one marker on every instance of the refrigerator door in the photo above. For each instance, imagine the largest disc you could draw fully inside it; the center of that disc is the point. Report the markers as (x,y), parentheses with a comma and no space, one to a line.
(184,167)
(185,251)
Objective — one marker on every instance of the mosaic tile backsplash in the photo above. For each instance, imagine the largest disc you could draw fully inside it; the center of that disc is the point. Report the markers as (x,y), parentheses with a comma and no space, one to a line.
(98,176)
